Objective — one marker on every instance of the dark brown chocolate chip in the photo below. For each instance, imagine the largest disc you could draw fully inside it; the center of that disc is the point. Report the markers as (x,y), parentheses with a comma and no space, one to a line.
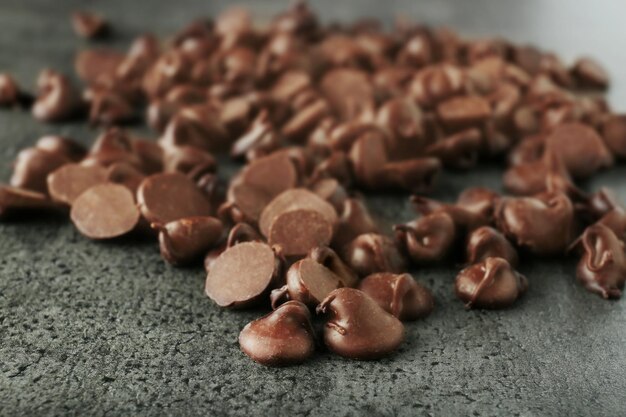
(403,121)
(32,166)
(271,174)
(490,284)
(459,112)
(331,260)
(62,146)
(299,230)
(417,175)
(110,108)
(69,181)
(436,83)
(460,150)
(486,242)
(242,275)
(188,159)
(466,217)
(602,268)
(166,197)
(186,240)
(196,125)
(16,201)
(357,327)
(56,98)
(310,282)
(125,174)
(283,337)
(332,191)
(259,139)
(105,211)
(370,253)
(297,199)
(348,92)
(399,295)
(355,220)
(581,148)
(427,239)
(93,65)
(542,224)
(89,25)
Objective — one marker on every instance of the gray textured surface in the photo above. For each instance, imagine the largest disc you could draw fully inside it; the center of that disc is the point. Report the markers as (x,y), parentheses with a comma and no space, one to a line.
(108,329)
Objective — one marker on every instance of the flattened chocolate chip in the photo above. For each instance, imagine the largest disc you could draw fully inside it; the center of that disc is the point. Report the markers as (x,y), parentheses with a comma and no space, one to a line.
(491,284)
(61,146)
(298,231)
(486,242)
(32,167)
(187,159)
(283,337)
(368,155)
(543,224)
(460,150)
(581,148)
(436,83)
(271,174)
(404,122)
(357,327)
(242,275)
(590,74)
(602,268)
(348,92)
(16,201)
(69,181)
(185,240)
(370,253)
(89,25)
(614,134)
(417,175)
(332,191)
(355,220)
(458,112)
(125,174)
(399,295)
(105,211)
(296,199)
(93,65)
(310,282)
(427,239)
(166,197)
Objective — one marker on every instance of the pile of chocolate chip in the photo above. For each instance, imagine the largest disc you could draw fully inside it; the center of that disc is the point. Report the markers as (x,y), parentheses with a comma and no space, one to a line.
(319,114)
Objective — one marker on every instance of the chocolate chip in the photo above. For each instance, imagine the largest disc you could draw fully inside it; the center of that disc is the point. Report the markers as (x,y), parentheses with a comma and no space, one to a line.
(298,199)
(355,220)
(105,211)
(490,284)
(614,134)
(404,122)
(271,174)
(370,253)
(198,126)
(399,295)
(581,148)
(310,282)
(260,138)
(332,191)
(297,231)
(283,337)
(427,239)
(542,224)
(166,197)
(486,242)
(357,327)
(62,146)
(348,92)
(460,150)
(185,240)
(602,268)
(69,181)
(436,83)
(466,217)
(18,201)
(93,65)
(460,112)
(188,160)
(417,175)
(9,91)
(125,174)
(89,25)
(32,166)
(590,74)
(242,275)
(56,98)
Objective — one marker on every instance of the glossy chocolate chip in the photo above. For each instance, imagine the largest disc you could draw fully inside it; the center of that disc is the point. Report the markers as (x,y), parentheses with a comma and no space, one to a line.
(296,199)
(370,253)
(436,83)
(490,284)
(357,327)
(18,201)
(417,175)
(581,148)
(242,275)
(399,295)
(69,181)
(299,230)
(125,174)
(466,218)
(404,122)
(428,239)
(348,92)
(283,337)
(310,282)
(459,112)
(331,260)
(614,134)
(105,211)
(487,242)
(61,146)
(186,240)
(260,138)
(355,220)
(56,98)
(602,268)
(542,224)
(32,166)
(166,197)
(187,159)
(89,25)
(271,174)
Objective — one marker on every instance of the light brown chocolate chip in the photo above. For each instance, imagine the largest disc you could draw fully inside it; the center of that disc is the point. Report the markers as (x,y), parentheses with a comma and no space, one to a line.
(71,180)
(298,231)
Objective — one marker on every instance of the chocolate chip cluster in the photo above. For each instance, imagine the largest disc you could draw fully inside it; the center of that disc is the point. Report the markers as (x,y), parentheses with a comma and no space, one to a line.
(320,113)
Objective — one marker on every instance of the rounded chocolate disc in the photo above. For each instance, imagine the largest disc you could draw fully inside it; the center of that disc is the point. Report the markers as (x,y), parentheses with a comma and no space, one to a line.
(297,198)
(299,231)
(310,282)
(166,197)
(71,180)
(273,174)
(241,274)
(105,211)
